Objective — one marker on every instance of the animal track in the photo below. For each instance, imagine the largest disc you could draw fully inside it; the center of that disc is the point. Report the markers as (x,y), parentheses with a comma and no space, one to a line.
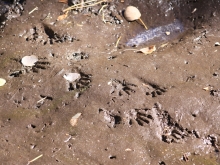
(141,116)
(215,93)
(157,119)
(110,117)
(80,85)
(170,130)
(44,34)
(153,89)
(77,56)
(119,88)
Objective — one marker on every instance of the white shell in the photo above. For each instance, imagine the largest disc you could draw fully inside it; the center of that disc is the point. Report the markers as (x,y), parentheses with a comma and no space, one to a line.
(29,60)
(2,81)
(71,77)
(132,13)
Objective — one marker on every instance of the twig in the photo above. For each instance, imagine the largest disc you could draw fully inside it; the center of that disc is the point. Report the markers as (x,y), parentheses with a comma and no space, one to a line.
(34,159)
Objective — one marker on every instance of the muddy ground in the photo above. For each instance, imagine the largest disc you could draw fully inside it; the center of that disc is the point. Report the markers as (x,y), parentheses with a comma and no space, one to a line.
(161,108)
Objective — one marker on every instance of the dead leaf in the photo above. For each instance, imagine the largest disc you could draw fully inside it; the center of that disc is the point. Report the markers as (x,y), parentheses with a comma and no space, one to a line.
(148,50)
(62,17)
(74,119)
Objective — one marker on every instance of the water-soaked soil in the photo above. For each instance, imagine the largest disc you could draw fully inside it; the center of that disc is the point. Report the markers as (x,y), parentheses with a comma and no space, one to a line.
(135,109)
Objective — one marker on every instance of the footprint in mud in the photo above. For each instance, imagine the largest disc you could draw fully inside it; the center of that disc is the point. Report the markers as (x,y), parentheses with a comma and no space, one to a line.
(111,118)
(81,84)
(164,126)
(153,90)
(169,129)
(44,34)
(141,116)
(120,88)
(77,56)
(215,93)
(42,64)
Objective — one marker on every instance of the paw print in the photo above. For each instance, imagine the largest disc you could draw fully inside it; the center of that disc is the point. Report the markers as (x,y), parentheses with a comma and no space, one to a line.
(80,85)
(141,116)
(40,65)
(172,131)
(120,88)
(153,89)
(111,118)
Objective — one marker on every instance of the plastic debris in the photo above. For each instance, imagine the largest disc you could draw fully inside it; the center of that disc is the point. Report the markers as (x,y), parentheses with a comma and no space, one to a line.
(29,60)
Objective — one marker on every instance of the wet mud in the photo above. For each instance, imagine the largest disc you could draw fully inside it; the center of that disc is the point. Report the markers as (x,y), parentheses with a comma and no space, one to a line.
(161,108)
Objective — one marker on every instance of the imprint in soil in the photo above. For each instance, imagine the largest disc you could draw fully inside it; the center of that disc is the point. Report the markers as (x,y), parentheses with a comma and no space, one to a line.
(111,118)
(153,90)
(119,88)
(160,120)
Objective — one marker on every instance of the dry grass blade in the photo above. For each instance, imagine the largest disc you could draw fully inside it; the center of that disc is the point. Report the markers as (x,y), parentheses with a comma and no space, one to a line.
(78,6)
(34,159)
(119,38)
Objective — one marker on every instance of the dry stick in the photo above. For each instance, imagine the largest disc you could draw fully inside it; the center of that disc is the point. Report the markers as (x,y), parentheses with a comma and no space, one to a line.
(143,23)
